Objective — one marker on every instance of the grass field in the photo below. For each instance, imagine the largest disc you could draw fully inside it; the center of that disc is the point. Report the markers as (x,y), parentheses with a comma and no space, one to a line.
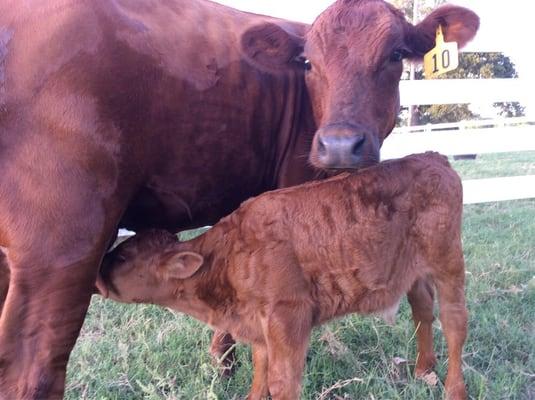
(497,165)
(135,352)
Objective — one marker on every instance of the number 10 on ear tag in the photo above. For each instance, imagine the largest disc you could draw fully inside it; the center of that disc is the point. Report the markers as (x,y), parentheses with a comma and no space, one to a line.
(444,57)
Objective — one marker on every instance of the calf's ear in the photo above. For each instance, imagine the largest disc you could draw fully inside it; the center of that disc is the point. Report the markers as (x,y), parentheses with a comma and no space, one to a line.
(182,265)
(101,287)
(459,25)
(274,47)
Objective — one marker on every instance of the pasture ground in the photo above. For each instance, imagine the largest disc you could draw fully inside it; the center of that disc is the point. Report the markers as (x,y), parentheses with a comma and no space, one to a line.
(144,352)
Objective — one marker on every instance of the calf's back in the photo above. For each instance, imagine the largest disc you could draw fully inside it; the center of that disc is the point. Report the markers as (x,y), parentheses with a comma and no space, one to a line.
(354,243)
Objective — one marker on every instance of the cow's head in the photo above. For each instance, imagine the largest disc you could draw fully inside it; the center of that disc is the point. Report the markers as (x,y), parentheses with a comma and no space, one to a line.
(146,268)
(353,56)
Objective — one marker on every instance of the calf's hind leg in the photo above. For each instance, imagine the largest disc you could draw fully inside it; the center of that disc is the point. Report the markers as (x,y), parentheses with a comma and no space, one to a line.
(454,320)
(421,299)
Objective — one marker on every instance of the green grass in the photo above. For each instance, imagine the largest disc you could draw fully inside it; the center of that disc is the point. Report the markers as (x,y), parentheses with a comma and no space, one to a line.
(496,165)
(145,352)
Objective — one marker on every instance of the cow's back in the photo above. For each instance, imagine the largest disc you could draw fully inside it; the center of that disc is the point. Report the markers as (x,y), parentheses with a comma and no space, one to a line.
(156,91)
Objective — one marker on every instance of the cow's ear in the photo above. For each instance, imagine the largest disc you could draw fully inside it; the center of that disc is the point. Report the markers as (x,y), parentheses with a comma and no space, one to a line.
(181,265)
(274,47)
(459,25)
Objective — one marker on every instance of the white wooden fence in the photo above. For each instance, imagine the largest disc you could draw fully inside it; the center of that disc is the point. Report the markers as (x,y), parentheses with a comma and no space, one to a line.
(466,137)
(469,137)
(458,91)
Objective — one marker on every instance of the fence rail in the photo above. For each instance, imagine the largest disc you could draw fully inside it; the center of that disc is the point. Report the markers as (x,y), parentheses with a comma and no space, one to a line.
(472,137)
(456,142)
(463,91)
(498,189)
(469,124)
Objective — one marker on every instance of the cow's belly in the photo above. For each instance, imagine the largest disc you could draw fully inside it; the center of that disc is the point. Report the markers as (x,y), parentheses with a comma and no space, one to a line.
(185,201)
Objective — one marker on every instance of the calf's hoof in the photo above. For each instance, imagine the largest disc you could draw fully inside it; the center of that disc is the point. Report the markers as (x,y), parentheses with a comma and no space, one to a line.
(424,365)
(457,392)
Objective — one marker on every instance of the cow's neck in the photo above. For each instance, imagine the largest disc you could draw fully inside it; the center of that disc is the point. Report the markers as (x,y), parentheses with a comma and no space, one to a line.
(294,136)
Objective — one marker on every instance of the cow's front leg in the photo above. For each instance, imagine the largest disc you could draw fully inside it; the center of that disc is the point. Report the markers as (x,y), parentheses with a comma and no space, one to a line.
(55,240)
(421,299)
(43,313)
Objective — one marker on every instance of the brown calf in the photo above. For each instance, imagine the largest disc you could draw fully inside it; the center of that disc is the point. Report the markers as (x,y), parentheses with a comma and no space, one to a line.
(295,258)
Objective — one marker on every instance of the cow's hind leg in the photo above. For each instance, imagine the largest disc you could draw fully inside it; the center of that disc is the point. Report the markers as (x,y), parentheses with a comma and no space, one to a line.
(421,299)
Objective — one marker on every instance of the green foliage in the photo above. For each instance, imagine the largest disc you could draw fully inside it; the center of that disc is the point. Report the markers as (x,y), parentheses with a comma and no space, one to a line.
(438,113)
(424,7)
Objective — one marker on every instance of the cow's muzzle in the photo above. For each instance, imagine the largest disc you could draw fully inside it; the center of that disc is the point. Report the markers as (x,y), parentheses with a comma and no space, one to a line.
(344,146)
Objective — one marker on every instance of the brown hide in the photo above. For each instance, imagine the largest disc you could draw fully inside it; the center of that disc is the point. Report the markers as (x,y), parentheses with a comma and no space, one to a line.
(295,258)
(163,114)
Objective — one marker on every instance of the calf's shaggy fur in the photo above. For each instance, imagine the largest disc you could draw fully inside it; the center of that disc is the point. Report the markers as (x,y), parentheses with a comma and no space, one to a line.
(295,258)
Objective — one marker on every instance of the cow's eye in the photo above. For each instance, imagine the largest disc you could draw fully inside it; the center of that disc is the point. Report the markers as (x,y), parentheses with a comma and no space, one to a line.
(304,62)
(397,55)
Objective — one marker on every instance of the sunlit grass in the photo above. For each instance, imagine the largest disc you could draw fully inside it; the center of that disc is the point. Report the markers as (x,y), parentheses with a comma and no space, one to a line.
(496,165)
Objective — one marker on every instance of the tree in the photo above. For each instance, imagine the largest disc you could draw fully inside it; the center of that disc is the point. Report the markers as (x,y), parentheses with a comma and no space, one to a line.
(424,7)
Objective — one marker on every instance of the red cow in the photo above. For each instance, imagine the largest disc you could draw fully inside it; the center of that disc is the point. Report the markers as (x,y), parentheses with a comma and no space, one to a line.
(294,258)
(168,114)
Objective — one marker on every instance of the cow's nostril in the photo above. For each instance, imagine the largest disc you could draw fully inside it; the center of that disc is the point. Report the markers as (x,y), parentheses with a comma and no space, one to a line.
(322,149)
(356,150)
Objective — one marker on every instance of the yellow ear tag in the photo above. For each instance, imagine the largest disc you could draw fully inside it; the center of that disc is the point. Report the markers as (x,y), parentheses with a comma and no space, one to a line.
(444,57)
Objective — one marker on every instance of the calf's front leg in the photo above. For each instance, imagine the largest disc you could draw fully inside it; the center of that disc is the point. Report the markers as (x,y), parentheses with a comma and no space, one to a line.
(259,388)
(287,334)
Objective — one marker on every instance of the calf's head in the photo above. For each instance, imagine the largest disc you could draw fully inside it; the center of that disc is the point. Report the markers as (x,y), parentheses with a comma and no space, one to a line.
(352,56)
(146,268)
